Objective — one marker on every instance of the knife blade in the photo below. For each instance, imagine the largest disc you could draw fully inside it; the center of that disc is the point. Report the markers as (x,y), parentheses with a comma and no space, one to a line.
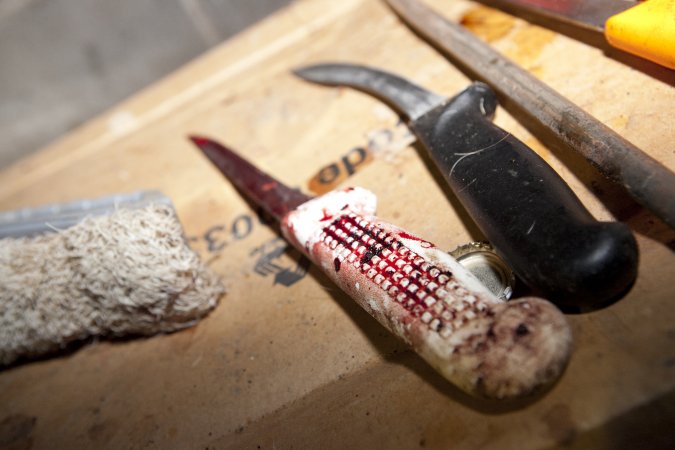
(422,295)
(527,212)
(645,29)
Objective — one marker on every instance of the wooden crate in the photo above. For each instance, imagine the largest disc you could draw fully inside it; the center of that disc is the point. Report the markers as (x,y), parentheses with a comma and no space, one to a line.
(287,360)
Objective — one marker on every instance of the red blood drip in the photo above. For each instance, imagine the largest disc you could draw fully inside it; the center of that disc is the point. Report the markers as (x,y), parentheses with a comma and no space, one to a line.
(326,216)
(405,235)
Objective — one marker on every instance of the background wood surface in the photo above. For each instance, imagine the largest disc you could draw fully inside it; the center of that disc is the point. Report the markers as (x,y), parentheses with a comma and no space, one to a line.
(302,366)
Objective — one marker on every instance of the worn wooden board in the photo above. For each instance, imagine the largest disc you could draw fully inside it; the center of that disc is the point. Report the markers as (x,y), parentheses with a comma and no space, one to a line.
(286,360)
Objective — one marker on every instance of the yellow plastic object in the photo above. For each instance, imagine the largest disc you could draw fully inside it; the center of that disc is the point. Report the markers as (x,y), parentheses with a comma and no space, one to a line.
(646,30)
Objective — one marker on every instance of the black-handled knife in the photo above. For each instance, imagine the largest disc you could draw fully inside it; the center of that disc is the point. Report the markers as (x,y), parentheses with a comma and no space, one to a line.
(529,214)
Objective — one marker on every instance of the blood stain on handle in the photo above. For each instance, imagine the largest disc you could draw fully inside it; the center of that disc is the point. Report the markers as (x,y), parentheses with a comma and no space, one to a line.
(406,277)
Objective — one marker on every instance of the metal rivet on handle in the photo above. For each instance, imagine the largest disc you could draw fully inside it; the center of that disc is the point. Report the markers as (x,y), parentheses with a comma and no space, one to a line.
(484,263)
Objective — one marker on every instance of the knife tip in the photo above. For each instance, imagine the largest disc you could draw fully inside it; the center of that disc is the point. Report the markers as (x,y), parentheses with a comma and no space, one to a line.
(321,73)
(303,72)
(199,141)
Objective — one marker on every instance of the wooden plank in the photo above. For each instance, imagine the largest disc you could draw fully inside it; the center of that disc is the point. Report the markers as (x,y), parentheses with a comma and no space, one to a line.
(302,365)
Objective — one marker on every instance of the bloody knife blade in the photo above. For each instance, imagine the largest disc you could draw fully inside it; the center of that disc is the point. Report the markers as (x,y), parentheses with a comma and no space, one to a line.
(645,179)
(527,212)
(275,198)
(421,294)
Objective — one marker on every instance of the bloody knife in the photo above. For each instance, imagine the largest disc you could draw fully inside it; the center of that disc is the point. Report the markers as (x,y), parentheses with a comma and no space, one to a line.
(527,212)
(421,294)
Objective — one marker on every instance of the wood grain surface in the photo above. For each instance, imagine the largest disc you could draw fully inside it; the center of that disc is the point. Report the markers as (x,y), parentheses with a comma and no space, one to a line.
(287,360)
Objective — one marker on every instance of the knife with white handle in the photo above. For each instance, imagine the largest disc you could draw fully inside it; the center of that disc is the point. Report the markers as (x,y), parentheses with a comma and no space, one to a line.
(485,346)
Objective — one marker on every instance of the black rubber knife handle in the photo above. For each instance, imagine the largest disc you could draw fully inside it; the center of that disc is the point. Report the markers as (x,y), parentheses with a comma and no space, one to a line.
(529,214)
